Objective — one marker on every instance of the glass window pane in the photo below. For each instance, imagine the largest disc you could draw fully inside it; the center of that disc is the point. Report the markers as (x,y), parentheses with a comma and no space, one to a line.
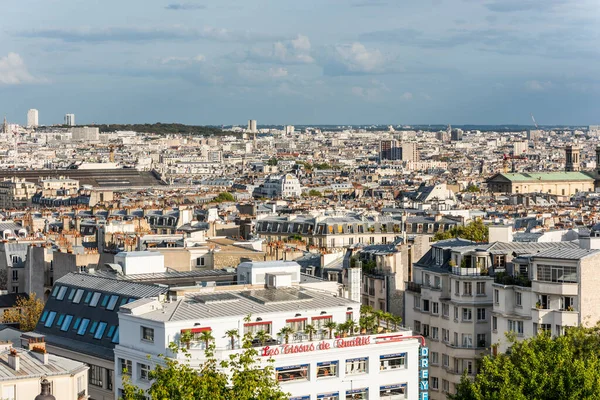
(78,295)
(88,296)
(44,316)
(111,331)
(100,330)
(112,303)
(76,324)
(104,300)
(94,325)
(66,323)
(116,336)
(83,326)
(95,298)
(61,293)
(50,319)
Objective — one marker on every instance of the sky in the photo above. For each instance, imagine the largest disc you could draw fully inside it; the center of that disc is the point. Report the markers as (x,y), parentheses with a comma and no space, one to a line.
(301,62)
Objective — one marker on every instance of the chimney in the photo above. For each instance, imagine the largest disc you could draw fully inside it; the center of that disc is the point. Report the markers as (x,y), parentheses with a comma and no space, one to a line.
(437,218)
(39,351)
(14,360)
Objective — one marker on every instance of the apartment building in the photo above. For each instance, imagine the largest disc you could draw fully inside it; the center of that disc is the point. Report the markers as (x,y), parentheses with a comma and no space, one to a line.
(16,192)
(549,291)
(451,301)
(279,186)
(360,366)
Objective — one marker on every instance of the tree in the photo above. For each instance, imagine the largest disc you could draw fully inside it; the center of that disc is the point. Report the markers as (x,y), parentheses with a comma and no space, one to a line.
(272,161)
(330,326)
(379,316)
(310,330)
(472,189)
(206,337)
(240,377)
(262,337)
(26,312)
(540,368)
(224,196)
(285,333)
(314,193)
(475,230)
(232,334)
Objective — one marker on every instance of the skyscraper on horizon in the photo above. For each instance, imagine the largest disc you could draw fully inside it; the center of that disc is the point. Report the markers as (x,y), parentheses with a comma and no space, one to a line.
(70,119)
(252,125)
(32,118)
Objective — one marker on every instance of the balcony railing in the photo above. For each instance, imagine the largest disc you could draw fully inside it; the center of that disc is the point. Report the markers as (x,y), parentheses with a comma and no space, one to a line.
(413,287)
(517,280)
(468,271)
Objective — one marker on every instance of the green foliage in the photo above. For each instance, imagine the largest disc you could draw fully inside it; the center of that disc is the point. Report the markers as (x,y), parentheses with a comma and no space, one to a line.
(540,368)
(472,189)
(272,161)
(321,166)
(475,230)
(241,377)
(165,129)
(223,197)
(314,193)
(295,237)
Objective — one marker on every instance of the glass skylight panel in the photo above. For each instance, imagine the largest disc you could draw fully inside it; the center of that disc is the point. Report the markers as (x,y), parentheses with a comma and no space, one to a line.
(111,331)
(88,296)
(50,319)
(72,293)
(100,330)
(83,326)
(66,323)
(61,317)
(115,338)
(78,295)
(93,328)
(104,300)
(44,316)
(95,298)
(61,293)
(112,303)
(55,291)
(76,324)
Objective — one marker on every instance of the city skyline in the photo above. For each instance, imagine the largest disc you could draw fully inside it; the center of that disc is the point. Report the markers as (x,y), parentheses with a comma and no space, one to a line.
(342,62)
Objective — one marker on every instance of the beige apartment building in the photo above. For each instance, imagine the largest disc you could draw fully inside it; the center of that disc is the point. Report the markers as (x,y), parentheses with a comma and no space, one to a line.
(16,193)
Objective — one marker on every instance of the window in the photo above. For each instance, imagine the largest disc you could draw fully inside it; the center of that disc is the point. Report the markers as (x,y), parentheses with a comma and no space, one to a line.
(327,369)
(55,291)
(392,391)
(435,332)
(445,335)
(76,324)
(297,324)
(60,319)
(66,323)
(496,296)
(418,302)
(481,340)
(481,314)
(468,366)
(50,319)
(418,326)
(95,298)
(104,300)
(100,330)
(445,310)
(519,299)
(144,372)
(495,323)
(567,303)
(357,394)
(71,294)
(200,262)
(357,365)
(255,327)
(78,295)
(83,327)
(112,302)
(109,379)
(456,313)
(467,314)
(320,321)
(437,282)
(515,326)
(456,287)
(88,297)
(111,331)
(467,340)
(551,273)
(44,316)
(147,334)
(480,288)
(545,327)
(81,386)
(434,383)
(434,357)
(115,338)
(392,361)
(293,373)
(9,392)
(93,327)
(96,375)
(425,305)
(445,385)
(125,366)
(445,360)
(15,277)
(435,308)
(328,396)
(467,286)
(425,330)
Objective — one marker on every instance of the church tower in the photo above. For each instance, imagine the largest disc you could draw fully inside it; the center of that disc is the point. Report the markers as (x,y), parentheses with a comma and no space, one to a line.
(573,163)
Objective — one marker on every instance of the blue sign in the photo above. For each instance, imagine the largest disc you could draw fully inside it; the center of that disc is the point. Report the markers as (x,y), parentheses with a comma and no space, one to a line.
(323,395)
(423,373)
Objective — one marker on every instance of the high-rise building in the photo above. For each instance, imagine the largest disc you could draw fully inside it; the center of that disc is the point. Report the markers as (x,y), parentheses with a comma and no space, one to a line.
(289,129)
(520,148)
(410,151)
(86,133)
(252,125)
(70,119)
(32,118)
(5,126)
(389,150)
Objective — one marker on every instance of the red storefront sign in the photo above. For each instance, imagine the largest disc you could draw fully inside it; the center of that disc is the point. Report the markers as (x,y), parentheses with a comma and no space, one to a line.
(269,351)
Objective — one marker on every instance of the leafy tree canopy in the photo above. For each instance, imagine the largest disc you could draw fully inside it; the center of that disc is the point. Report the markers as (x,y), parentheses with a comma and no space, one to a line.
(475,230)
(225,196)
(165,129)
(540,368)
(26,312)
(314,193)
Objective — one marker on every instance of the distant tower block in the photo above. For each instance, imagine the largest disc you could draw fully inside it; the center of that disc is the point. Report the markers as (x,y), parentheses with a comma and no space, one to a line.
(70,119)
(598,159)
(252,125)
(573,162)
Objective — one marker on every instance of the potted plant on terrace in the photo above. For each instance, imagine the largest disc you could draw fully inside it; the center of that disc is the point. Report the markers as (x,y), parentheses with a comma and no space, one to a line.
(285,333)
(310,330)
(330,326)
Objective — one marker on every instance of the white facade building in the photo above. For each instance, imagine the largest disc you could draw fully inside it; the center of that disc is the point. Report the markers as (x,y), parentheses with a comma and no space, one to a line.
(32,118)
(279,186)
(252,125)
(86,133)
(360,366)
(70,119)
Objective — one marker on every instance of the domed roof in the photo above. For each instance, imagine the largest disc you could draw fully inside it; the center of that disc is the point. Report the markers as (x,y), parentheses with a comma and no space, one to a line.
(45,395)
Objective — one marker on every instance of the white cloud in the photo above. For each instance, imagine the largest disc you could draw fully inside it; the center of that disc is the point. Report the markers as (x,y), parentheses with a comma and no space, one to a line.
(355,59)
(407,96)
(183,60)
(537,86)
(13,70)
(295,51)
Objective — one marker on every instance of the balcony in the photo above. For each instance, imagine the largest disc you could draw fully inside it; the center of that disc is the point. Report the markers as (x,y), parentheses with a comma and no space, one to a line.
(469,271)
(509,280)
(413,287)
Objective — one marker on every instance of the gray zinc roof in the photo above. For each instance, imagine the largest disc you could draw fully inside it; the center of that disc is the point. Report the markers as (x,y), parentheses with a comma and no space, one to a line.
(566,254)
(32,367)
(105,284)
